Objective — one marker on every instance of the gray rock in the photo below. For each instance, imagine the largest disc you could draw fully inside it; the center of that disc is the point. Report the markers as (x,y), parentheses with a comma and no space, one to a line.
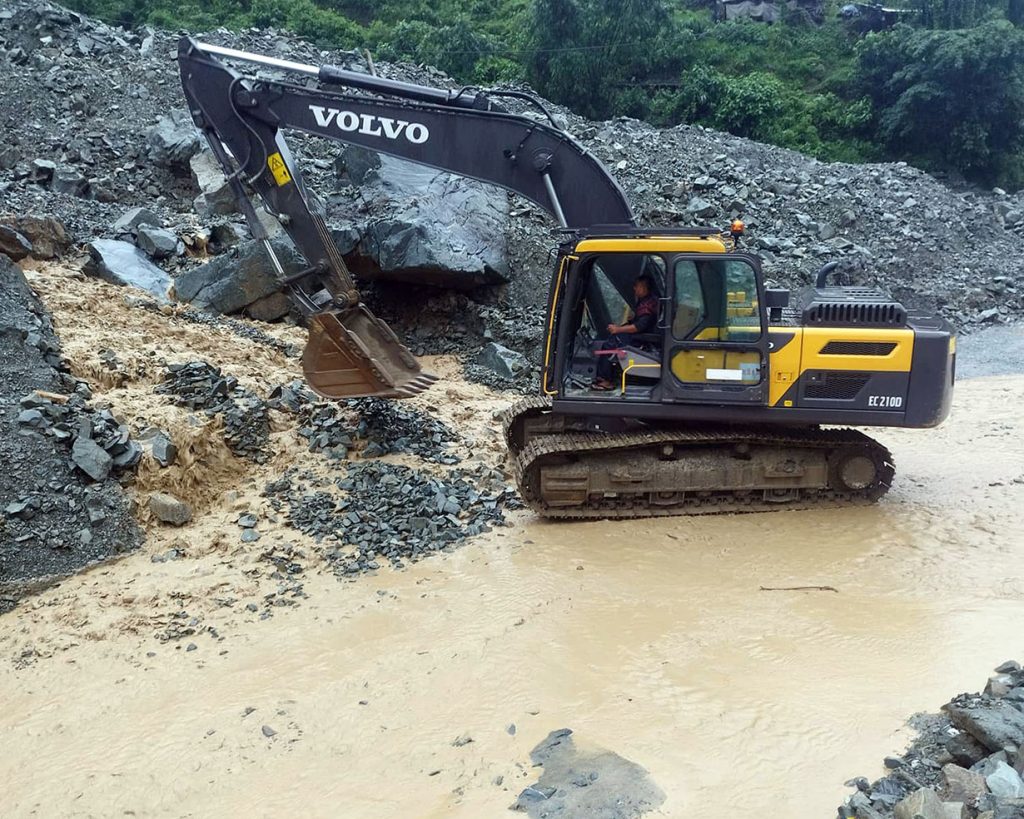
(129,221)
(91,458)
(270,308)
(701,207)
(42,171)
(1007,809)
(123,263)
(1000,685)
(921,804)
(268,731)
(505,362)
(170,509)
(157,243)
(354,165)
(13,245)
(1005,781)
(590,783)
(965,749)
(164,451)
(69,181)
(995,724)
(173,140)
(222,237)
(232,282)
(1008,667)
(9,157)
(215,196)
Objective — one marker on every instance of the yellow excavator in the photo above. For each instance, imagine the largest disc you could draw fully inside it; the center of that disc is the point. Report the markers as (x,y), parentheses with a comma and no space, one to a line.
(739,397)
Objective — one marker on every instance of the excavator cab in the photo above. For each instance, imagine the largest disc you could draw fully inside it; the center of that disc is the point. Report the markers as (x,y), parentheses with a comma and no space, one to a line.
(710,340)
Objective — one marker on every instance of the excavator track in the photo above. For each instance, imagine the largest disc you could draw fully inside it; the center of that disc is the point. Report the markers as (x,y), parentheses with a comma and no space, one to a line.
(681,471)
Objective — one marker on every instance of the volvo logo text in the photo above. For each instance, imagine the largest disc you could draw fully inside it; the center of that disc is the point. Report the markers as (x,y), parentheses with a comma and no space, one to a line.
(368,124)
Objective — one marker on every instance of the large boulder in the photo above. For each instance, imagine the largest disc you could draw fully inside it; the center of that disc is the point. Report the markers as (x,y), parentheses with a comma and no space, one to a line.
(233,281)
(173,140)
(123,263)
(420,225)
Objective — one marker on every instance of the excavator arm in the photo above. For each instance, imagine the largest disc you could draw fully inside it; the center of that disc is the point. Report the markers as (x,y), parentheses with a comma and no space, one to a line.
(351,352)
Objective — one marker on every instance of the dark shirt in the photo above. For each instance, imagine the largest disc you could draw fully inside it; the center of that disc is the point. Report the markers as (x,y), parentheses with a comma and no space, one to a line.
(646,314)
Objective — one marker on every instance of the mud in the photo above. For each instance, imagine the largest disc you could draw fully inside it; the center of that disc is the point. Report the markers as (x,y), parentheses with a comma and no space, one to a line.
(205,685)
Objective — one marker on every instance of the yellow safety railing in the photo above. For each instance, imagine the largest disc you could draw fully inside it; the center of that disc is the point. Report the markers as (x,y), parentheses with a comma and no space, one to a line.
(633,366)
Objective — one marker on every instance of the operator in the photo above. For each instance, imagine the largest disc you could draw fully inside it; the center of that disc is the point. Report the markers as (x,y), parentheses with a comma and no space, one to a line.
(645,316)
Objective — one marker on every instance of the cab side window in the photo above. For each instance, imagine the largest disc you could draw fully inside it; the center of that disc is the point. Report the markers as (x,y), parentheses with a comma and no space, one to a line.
(689,311)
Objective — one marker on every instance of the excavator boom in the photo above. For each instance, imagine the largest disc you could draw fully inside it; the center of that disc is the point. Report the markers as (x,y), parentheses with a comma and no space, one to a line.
(350,351)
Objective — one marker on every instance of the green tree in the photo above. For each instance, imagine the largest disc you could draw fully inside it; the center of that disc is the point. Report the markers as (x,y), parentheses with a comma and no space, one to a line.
(950,99)
(583,52)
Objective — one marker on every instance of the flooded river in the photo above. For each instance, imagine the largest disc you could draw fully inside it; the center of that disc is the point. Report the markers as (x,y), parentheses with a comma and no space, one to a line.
(652,639)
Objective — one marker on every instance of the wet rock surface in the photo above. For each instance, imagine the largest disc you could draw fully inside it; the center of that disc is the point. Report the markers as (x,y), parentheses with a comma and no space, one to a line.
(420,225)
(201,386)
(583,782)
(123,263)
(61,507)
(966,762)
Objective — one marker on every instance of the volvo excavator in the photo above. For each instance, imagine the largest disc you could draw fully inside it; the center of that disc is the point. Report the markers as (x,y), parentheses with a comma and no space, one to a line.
(739,398)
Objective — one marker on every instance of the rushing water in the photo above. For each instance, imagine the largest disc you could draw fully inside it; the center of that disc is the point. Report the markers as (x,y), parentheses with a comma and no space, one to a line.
(653,639)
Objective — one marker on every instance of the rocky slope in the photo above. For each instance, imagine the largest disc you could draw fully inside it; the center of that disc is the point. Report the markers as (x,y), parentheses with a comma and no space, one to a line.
(61,507)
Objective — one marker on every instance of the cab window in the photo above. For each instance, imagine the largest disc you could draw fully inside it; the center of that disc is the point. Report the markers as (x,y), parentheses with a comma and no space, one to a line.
(715,300)
(609,294)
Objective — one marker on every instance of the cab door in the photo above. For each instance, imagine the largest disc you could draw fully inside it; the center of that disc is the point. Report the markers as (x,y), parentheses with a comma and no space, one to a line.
(716,332)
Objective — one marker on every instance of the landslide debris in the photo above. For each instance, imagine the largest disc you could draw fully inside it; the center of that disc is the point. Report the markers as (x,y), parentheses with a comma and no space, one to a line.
(378,511)
(61,507)
(966,762)
(384,427)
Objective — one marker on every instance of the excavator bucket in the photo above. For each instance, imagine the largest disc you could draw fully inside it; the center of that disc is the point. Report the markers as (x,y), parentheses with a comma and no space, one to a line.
(353,354)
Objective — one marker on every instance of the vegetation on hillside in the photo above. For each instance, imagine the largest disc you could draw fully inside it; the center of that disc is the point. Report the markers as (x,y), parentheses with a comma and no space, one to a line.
(944,89)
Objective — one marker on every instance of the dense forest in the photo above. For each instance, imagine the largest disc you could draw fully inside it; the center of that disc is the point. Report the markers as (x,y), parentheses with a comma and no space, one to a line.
(942,88)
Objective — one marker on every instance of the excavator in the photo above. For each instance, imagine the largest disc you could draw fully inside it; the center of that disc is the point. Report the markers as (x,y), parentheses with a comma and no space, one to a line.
(739,398)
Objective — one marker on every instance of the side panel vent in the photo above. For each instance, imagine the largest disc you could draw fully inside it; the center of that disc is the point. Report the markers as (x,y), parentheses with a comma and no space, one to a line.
(858,348)
(837,386)
(857,313)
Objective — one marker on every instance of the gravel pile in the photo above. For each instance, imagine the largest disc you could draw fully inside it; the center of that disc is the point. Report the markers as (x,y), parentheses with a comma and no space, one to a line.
(966,762)
(376,426)
(201,386)
(389,512)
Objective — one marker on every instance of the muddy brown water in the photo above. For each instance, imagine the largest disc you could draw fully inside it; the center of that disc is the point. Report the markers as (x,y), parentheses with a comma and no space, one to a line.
(652,639)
